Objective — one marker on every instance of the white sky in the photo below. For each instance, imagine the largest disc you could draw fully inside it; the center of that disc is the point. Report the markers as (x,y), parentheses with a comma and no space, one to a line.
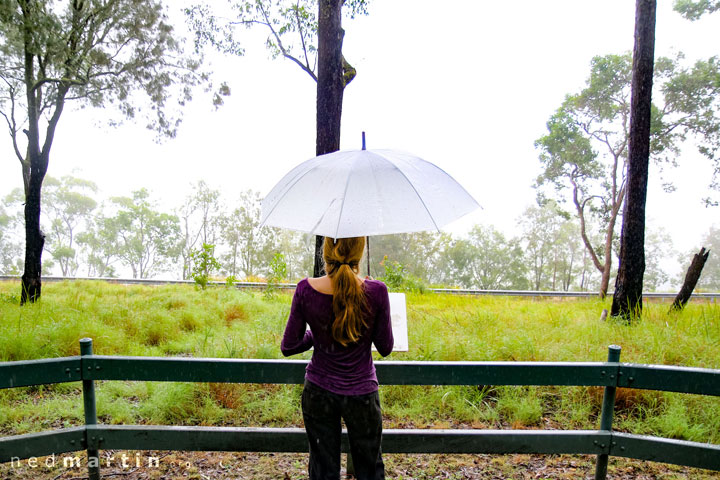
(467,85)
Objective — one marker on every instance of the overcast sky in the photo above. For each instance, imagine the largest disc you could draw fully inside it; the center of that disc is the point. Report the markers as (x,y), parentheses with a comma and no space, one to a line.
(467,85)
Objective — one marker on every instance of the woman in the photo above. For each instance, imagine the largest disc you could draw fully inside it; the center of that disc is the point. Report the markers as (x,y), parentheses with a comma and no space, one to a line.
(346,315)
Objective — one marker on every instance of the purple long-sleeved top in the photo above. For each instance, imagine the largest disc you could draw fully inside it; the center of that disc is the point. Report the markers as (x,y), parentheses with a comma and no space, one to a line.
(343,370)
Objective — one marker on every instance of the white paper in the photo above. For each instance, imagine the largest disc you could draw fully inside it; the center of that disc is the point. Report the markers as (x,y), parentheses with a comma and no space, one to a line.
(398,316)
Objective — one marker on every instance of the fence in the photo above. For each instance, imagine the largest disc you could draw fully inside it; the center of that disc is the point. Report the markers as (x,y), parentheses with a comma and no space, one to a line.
(612,374)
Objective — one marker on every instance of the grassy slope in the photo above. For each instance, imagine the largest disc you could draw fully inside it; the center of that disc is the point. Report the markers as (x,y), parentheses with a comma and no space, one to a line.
(179,320)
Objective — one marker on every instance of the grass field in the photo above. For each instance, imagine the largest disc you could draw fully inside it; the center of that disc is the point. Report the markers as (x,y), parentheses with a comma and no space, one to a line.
(222,322)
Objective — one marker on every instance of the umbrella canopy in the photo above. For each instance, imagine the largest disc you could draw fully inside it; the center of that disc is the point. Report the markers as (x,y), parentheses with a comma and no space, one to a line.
(356,193)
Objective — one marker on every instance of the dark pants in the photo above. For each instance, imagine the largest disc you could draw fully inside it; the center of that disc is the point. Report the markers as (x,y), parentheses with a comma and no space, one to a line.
(322,411)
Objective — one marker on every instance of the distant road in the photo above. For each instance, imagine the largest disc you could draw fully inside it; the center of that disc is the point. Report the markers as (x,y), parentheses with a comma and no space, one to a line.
(291,286)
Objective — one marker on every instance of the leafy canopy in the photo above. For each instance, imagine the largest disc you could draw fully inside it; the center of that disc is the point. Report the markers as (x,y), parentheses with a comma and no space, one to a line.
(292,27)
(97,53)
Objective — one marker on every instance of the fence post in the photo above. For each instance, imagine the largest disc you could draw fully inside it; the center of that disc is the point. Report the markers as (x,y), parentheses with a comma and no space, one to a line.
(350,470)
(608,408)
(93,457)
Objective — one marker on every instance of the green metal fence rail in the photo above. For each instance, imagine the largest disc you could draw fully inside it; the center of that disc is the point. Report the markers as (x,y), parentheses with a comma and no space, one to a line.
(602,442)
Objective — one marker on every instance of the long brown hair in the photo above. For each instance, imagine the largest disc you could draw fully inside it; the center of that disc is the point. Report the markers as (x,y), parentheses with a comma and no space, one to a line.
(342,260)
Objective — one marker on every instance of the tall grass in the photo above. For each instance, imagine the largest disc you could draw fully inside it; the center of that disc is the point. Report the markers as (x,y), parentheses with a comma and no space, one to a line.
(225,322)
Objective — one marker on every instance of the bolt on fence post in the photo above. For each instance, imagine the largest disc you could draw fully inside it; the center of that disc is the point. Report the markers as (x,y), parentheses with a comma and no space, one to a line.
(90,412)
(608,408)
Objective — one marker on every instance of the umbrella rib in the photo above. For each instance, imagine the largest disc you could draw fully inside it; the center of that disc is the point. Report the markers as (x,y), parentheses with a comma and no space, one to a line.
(342,205)
(420,197)
(296,180)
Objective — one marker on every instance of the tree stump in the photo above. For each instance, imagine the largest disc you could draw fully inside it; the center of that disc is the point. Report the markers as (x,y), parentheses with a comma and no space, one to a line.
(691,279)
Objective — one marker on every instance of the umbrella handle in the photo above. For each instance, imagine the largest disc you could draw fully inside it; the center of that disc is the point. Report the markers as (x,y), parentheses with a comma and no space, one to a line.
(367,242)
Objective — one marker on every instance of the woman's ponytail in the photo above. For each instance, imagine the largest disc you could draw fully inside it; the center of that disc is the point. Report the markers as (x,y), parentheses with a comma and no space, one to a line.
(342,260)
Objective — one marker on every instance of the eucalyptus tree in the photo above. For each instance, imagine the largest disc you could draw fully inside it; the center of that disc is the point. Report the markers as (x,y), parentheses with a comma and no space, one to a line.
(200,217)
(9,246)
(420,254)
(658,248)
(627,298)
(307,32)
(148,241)
(100,246)
(98,53)
(695,9)
(710,277)
(584,154)
(551,245)
(246,242)
(487,260)
(69,206)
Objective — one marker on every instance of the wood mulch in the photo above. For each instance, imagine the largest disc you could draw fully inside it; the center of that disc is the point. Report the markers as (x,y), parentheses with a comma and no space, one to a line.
(174,465)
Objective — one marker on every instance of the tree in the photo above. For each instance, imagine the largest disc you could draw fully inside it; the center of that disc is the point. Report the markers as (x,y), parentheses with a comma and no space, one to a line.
(148,240)
(297,250)
(67,207)
(695,9)
(627,299)
(100,246)
(419,253)
(552,250)
(313,42)
(584,153)
(9,247)
(487,260)
(89,52)
(200,216)
(247,243)
(658,246)
(710,278)
(204,264)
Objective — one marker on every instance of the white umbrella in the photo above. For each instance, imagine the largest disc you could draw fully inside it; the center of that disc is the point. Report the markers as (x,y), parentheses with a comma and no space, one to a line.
(356,193)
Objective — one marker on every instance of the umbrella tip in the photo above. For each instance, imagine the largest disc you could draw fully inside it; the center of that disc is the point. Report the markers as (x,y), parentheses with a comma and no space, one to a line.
(363,140)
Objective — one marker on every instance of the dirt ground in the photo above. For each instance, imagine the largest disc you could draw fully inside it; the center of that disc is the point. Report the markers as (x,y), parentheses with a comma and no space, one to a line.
(168,465)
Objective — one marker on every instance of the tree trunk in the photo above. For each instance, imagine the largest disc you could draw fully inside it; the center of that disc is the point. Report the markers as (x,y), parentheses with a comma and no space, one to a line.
(691,279)
(627,300)
(34,241)
(605,279)
(330,86)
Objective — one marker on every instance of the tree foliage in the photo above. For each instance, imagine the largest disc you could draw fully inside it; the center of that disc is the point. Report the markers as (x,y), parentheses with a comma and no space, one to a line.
(68,205)
(291,26)
(552,247)
(200,218)
(148,240)
(584,153)
(710,277)
(695,9)
(9,246)
(419,254)
(133,236)
(204,264)
(97,53)
(100,246)
(488,260)
(243,237)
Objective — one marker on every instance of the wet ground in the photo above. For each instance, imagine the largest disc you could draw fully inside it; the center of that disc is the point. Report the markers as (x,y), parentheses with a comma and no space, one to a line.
(168,465)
